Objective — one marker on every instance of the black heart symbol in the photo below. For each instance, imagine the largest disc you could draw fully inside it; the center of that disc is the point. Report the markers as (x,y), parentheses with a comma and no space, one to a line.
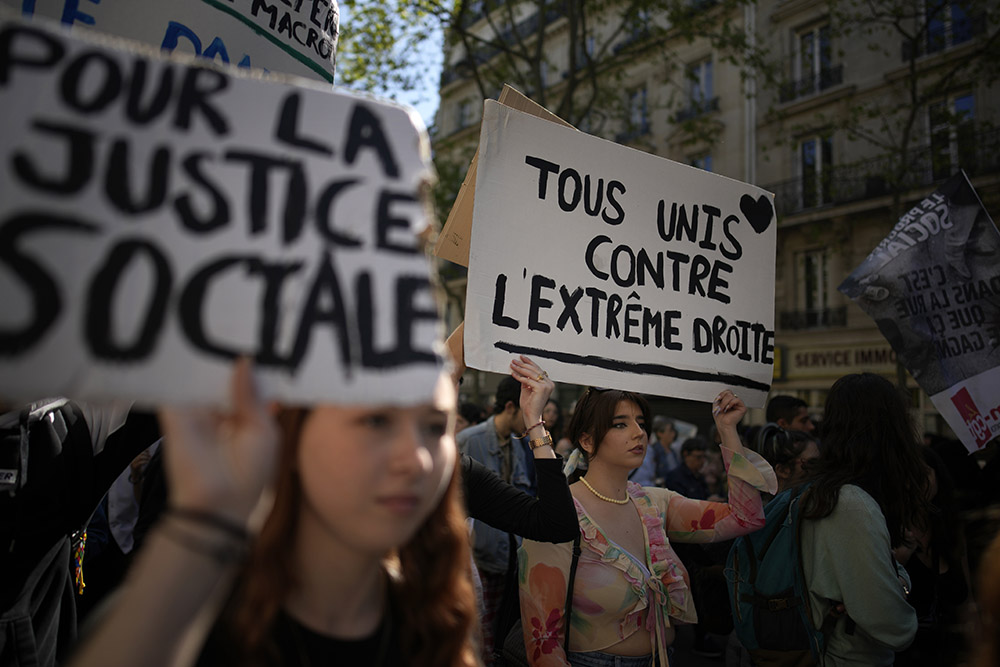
(759,212)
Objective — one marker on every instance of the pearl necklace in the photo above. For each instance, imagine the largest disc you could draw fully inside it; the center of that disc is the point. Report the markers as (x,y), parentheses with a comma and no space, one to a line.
(602,496)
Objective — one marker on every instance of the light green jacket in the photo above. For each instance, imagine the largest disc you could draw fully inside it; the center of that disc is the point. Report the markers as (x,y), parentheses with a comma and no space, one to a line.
(847,558)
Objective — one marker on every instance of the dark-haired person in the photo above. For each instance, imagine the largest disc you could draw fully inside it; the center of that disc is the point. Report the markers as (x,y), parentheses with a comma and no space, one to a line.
(790,413)
(704,565)
(469,414)
(688,479)
(868,484)
(790,453)
(935,558)
(554,420)
(630,586)
(666,456)
(660,457)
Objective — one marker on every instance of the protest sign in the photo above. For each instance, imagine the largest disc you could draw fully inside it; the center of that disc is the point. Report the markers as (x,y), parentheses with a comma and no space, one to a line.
(453,241)
(289,36)
(933,288)
(617,268)
(159,218)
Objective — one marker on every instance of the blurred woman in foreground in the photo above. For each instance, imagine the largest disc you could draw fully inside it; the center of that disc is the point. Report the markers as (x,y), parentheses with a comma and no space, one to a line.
(364,558)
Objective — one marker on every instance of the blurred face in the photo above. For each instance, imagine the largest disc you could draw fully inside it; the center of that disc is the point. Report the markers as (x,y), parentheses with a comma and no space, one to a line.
(461,423)
(550,414)
(800,464)
(511,420)
(666,435)
(625,442)
(372,474)
(801,422)
(695,460)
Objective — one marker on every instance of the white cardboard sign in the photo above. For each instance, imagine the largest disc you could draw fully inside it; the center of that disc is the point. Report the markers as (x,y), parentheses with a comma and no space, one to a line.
(616,268)
(160,217)
(289,36)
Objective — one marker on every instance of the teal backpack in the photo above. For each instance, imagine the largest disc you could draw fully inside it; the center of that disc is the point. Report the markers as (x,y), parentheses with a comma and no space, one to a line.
(768,592)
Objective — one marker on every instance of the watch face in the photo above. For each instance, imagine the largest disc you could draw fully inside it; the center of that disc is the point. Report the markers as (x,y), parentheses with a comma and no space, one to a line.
(541,442)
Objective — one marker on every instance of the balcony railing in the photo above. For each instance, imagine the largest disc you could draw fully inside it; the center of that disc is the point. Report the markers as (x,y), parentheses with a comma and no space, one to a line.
(813,319)
(814,83)
(696,109)
(863,180)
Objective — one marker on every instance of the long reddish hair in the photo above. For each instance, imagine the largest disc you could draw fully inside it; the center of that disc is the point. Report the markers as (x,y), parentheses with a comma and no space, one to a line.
(431,587)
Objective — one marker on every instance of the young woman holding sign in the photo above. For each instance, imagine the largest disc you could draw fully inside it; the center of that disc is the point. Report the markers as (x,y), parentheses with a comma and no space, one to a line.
(363,559)
(630,587)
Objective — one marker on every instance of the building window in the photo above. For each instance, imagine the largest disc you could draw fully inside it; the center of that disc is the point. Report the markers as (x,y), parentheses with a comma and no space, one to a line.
(812,294)
(948,24)
(636,116)
(699,92)
(815,54)
(812,282)
(638,112)
(812,64)
(816,164)
(702,162)
(636,30)
(952,135)
(463,115)
(700,84)
(585,50)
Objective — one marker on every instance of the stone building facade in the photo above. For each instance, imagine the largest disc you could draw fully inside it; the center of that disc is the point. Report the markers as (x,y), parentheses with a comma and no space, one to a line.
(821,124)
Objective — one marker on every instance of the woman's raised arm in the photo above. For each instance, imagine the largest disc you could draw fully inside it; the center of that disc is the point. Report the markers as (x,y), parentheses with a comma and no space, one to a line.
(218,465)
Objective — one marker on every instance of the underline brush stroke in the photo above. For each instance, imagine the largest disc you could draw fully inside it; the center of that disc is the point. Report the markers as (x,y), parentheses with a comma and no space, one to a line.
(632,367)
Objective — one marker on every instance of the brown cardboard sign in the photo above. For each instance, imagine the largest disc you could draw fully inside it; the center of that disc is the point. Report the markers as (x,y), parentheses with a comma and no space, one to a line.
(453,242)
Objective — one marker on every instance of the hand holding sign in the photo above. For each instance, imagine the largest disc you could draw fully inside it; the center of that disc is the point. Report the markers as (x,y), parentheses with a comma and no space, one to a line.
(221,461)
(536,387)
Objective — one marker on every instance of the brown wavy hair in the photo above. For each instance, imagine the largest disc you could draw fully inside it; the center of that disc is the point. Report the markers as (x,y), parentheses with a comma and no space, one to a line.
(870,440)
(430,575)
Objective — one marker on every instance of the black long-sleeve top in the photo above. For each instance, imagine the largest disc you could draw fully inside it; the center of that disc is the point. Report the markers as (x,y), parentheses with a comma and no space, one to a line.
(551,517)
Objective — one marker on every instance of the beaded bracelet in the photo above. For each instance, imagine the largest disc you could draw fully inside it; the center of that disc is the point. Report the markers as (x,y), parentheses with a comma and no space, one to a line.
(540,422)
(211,520)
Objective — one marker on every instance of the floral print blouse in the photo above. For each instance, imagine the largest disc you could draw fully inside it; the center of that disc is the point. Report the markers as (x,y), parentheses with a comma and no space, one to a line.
(616,592)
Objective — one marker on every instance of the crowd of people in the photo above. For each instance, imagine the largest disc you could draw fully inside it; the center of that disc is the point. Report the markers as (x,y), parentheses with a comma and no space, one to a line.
(341,534)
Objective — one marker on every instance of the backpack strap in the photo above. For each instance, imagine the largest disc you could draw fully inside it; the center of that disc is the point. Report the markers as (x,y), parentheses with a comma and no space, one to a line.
(829,621)
(569,589)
